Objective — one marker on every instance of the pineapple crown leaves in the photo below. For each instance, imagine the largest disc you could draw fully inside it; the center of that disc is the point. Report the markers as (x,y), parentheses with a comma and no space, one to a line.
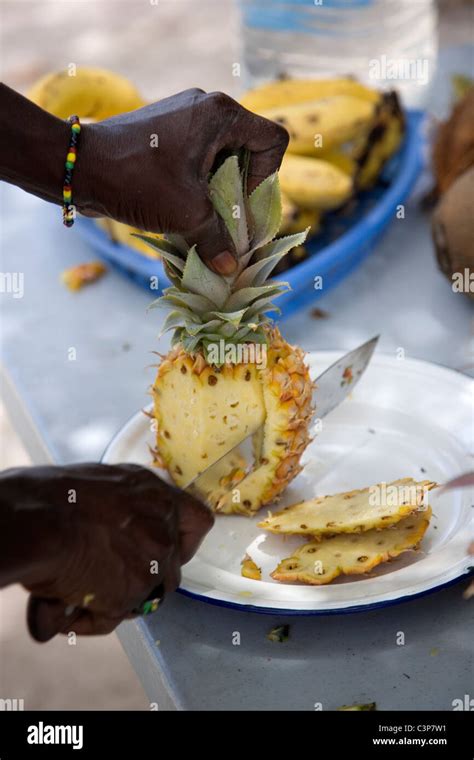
(206,307)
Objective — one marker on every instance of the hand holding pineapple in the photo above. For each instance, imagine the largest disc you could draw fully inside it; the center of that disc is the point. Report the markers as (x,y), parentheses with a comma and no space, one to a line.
(147,167)
(341,134)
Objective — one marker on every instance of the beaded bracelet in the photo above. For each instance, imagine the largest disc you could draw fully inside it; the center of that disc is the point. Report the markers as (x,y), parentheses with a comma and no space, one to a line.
(69,212)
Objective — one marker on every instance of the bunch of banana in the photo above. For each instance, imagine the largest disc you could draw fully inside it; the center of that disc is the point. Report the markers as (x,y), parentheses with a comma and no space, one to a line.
(93,94)
(295,91)
(341,134)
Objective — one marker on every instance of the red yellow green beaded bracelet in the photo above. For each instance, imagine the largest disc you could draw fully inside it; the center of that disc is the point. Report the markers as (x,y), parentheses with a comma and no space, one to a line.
(69,212)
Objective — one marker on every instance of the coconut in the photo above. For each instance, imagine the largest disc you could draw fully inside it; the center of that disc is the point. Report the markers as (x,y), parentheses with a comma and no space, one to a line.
(453,233)
(453,151)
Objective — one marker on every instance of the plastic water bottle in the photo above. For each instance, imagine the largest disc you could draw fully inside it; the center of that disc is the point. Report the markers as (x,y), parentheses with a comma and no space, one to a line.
(389,44)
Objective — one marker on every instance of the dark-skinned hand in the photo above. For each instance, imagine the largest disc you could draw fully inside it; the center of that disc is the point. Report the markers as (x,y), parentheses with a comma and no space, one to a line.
(86,541)
(150,168)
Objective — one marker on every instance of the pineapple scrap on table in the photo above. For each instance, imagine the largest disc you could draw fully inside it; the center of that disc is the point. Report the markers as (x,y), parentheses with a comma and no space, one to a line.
(75,278)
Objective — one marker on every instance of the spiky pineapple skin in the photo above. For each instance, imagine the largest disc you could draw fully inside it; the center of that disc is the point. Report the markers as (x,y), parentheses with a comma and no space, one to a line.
(279,396)
(341,552)
(350,512)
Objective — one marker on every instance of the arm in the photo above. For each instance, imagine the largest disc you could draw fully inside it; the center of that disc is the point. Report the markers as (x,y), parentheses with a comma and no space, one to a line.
(33,146)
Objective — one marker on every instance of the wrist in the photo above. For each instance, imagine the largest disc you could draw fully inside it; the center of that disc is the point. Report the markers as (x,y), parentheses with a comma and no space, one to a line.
(30,529)
(91,172)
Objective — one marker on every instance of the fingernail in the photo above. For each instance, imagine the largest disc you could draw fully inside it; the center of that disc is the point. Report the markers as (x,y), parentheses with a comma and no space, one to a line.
(224,263)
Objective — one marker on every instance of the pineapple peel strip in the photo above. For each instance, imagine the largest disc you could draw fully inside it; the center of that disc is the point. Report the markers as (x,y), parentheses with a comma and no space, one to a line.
(320,562)
(351,512)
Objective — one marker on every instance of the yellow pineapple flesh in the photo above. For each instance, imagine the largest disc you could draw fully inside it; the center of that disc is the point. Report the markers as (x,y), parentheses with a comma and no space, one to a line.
(249,569)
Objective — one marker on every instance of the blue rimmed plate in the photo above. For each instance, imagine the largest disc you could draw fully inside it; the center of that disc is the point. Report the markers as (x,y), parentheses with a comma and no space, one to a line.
(392,426)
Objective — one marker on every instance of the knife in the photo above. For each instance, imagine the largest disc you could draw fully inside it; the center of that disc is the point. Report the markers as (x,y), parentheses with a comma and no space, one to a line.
(332,387)
(335,383)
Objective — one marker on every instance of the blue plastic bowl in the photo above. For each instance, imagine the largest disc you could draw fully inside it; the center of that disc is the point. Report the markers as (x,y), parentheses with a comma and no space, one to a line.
(347,237)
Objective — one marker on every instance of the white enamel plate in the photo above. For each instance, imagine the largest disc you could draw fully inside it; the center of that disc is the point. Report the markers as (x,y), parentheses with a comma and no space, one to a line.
(404,418)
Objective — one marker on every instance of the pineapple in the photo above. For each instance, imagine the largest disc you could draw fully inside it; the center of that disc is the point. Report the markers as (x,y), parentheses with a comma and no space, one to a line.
(229,369)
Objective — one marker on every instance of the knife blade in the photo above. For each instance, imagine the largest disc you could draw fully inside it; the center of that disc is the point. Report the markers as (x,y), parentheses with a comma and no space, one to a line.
(338,380)
(331,388)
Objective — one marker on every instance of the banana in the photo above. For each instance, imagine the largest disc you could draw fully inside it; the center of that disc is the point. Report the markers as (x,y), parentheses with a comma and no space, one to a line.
(90,93)
(295,219)
(289,212)
(382,141)
(344,161)
(290,91)
(324,124)
(378,156)
(314,183)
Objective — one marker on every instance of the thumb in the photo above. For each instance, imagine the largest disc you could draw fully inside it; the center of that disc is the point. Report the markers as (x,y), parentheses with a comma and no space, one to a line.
(47,617)
(195,520)
(213,242)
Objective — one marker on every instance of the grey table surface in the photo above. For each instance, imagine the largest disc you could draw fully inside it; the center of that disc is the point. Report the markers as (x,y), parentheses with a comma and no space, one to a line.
(68,410)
